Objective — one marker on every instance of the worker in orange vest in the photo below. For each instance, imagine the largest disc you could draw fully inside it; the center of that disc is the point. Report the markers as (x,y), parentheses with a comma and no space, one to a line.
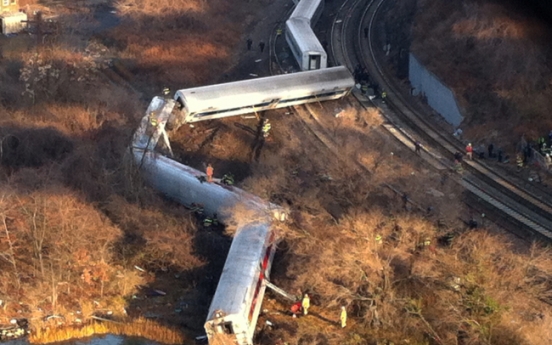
(209,172)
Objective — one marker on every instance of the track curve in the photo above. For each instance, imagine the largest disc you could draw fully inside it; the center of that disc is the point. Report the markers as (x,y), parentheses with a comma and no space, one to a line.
(533,213)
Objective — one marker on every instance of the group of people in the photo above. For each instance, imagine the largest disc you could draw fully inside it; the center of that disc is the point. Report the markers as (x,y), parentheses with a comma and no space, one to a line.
(545,148)
(481,152)
(302,307)
(250,44)
(200,213)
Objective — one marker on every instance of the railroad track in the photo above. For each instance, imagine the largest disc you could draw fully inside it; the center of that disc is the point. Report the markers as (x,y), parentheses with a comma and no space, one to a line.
(524,208)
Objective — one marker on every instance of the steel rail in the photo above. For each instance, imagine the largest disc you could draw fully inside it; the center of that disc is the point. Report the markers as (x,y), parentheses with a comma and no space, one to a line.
(533,213)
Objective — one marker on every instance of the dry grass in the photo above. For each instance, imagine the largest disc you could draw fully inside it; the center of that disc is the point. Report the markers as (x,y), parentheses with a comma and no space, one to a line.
(136,328)
(187,42)
(399,291)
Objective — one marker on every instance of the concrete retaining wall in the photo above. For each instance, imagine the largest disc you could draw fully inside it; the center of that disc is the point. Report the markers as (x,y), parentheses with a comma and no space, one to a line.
(439,96)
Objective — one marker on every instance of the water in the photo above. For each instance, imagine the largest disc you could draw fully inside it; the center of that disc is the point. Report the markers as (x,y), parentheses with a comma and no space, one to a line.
(99,340)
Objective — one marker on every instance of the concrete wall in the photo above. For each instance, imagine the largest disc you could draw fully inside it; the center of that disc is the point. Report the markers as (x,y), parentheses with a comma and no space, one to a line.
(439,96)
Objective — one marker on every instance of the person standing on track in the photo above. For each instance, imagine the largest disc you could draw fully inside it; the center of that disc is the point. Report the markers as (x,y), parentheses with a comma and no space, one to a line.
(469,151)
(261,46)
(366,32)
(249,43)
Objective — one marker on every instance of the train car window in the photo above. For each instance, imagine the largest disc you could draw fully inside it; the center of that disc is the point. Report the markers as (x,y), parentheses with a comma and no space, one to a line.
(214,112)
(228,328)
(294,46)
(297,99)
(262,105)
(314,61)
(180,103)
(327,94)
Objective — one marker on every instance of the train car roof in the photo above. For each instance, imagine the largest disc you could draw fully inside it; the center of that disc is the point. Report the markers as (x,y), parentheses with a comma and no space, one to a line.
(240,272)
(305,9)
(304,36)
(181,183)
(253,91)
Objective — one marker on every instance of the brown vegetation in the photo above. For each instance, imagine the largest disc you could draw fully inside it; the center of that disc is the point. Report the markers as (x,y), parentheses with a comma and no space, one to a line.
(494,56)
(80,232)
(183,44)
(482,288)
(75,217)
(137,328)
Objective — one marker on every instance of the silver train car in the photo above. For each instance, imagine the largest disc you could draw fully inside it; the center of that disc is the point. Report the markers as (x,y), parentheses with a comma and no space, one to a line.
(304,44)
(237,302)
(253,95)
(235,307)
(181,183)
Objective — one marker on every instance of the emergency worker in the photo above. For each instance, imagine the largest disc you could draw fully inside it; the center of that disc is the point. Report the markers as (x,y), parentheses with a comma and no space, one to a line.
(153,119)
(305,304)
(519,161)
(209,172)
(296,309)
(343,317)
(227,179)
(266,128)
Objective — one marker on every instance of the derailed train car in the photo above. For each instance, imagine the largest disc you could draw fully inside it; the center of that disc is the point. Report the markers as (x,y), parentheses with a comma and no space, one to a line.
(253,95)
(183,184)
(304,44)
(237,301)
(236,305)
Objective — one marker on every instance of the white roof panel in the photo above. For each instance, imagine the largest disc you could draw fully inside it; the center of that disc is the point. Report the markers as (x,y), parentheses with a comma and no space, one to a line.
(304,36)
(240,272)
(305,9)
(253,91)
(181,183)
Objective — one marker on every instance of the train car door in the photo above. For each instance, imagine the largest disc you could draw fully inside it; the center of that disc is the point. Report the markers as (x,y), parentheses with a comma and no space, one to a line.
(314,61)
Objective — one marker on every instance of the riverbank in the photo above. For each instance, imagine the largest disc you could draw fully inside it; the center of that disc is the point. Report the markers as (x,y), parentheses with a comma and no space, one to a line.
(138,327)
